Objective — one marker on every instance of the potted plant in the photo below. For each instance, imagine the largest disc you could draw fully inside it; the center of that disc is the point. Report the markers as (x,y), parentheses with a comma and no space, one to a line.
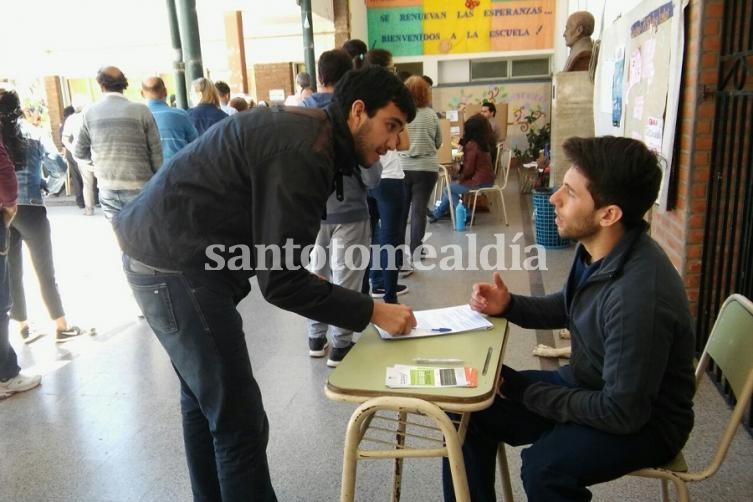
(538,139)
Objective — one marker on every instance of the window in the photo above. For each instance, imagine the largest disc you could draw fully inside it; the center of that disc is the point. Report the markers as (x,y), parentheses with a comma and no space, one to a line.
(488,69)
(511,68)
(530,67)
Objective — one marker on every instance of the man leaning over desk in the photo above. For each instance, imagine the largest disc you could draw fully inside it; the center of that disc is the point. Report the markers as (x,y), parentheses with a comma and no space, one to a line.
(625,400)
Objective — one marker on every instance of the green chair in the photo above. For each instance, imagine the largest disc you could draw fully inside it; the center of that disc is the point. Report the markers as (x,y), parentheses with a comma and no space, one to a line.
(730,346)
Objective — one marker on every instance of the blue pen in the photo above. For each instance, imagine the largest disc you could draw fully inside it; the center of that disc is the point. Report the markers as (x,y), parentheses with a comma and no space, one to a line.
(442,330)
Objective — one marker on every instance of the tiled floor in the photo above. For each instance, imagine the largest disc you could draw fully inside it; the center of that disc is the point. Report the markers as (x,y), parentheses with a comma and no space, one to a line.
(105,424)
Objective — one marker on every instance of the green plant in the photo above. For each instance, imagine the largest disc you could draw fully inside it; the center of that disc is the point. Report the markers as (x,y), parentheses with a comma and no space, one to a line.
(537,138)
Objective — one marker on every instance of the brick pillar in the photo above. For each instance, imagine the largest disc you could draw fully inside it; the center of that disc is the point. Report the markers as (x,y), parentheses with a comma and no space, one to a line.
(236,51)
(680,231)
(342,21)
(272,76)
(54,101)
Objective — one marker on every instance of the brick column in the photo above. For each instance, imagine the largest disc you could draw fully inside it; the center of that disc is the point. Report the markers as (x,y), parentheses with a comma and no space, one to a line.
(236,51)
(342,21)
(272,76)
(54,101)
(680,231)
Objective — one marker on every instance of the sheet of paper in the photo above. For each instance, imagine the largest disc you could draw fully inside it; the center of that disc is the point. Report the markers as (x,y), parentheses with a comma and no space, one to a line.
(403,376)
(444,321)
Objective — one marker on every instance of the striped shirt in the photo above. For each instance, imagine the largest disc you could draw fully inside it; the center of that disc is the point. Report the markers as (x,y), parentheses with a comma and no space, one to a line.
(425,138)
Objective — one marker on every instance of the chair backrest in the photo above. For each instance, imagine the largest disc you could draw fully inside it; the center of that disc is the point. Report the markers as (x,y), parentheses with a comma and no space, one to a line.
(730,345)
(502,167)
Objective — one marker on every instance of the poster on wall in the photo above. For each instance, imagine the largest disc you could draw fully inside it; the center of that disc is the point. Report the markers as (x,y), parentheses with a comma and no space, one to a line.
(424,27)
(639,67)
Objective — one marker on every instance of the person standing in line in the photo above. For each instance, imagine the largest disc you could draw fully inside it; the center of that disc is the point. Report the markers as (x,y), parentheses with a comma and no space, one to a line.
(357,50)
(264,180)
(385,210)
(420,163)
(89,190)
(76,179)
(30,224)
(12,380)
(175,128)
(206,111)
(223,91)
(625,401)
(121,140)
(304,90)
(345,226)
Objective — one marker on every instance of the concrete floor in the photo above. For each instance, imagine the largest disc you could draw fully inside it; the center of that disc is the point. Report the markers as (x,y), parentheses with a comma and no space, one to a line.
(105,424)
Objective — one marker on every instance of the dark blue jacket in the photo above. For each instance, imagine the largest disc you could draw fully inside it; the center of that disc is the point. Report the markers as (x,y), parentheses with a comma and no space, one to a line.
(632,346)
(205,115)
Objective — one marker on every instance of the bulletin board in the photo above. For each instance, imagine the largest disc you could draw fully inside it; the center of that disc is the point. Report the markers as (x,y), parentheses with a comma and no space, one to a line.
(637,82)
(422,27)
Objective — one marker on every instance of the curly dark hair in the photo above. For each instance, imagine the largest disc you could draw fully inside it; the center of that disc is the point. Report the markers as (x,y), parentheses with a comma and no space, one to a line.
(10,128)
(478,129)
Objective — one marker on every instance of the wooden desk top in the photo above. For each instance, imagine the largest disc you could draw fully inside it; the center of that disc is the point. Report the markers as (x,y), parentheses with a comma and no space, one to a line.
(361,375)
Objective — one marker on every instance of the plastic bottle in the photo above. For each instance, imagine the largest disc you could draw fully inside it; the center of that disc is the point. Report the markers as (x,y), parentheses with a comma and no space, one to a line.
(460,215)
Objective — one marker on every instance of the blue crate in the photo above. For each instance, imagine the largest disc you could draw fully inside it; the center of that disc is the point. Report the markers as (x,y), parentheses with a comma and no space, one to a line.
(546,229)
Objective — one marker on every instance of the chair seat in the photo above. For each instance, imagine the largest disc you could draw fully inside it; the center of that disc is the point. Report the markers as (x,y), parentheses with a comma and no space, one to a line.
(677,464)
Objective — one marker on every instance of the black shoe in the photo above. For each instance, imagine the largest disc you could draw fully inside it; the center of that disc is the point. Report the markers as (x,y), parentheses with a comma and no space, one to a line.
(402,289)
(63,335)
(337,354)
(318,346)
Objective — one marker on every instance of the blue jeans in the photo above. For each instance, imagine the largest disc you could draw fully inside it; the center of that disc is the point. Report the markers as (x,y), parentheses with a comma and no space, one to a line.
(457,190)
(112,201)
(563,459)
(8,362)
(225,427)
(389,197)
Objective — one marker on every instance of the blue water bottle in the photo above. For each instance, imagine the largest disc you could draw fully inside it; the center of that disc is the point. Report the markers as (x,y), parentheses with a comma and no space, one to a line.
(460,215)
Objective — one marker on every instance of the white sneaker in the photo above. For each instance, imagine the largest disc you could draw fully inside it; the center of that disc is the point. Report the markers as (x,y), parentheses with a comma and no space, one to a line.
(19,383)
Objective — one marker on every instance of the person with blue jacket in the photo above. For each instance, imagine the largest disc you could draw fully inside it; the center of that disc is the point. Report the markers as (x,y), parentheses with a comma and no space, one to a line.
(625,400)
(206,111)
(30,224)
(175,128)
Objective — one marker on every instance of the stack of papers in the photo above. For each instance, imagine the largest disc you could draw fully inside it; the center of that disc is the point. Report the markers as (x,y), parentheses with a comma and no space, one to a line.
(444,321)
(401,376)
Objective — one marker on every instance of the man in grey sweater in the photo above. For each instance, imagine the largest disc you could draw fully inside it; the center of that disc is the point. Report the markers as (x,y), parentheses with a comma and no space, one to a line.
(121,140)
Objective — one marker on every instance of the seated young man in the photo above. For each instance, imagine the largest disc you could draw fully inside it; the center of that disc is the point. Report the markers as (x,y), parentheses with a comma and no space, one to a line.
(625,400)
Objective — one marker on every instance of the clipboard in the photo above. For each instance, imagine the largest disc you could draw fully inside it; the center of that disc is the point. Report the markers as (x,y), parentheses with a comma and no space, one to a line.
(443,321)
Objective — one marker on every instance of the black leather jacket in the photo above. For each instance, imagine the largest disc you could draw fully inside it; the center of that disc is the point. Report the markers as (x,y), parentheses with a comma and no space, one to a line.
(260,178)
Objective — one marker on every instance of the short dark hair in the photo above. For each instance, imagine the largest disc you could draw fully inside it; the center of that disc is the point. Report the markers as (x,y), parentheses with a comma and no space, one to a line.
(332,65)
(222,88)
(620,171)
(112,79)
(376,87)
(428,80)
(491,106)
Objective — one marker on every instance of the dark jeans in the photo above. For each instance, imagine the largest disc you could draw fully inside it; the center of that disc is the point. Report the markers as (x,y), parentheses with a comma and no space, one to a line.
(8,362)
(32,227)
(418,188)
(373,222)
(563,459)
(76,180)
(225,428)
(389,197)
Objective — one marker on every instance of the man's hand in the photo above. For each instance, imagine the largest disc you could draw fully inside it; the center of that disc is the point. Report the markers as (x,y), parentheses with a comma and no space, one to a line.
(492,299)
(394,319)
(8,214)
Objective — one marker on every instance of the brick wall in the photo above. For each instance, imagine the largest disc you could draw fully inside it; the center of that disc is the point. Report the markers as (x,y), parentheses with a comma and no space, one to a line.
(272,76)
(680,231)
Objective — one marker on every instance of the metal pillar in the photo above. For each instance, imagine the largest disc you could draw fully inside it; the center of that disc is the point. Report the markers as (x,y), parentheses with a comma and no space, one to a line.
(179,68)
(189,34)
(308,39)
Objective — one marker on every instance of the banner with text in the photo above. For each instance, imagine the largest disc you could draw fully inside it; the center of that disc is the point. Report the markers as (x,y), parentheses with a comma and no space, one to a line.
(415,27)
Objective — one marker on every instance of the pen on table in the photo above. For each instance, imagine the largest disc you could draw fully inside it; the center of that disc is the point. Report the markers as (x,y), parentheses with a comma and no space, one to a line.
(486,362)
(437,360)
(441,330)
